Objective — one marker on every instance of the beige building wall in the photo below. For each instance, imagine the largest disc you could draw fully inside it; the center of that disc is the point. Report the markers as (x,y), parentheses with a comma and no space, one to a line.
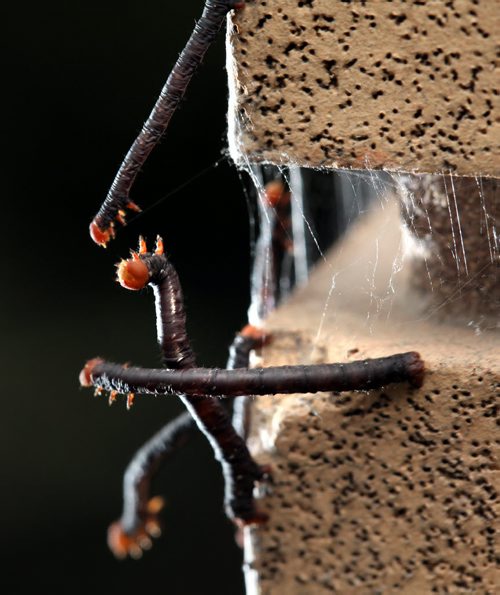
(395,490)
(403,86)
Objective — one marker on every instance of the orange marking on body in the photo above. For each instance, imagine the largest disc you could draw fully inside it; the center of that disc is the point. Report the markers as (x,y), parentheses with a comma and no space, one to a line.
(130,400)
(134,255)
(85,376)
(98,391)
(257,334)
(132,274)
(159,246)
(100,236)
(259,518)
(112,397)
(275,192)
(123,544)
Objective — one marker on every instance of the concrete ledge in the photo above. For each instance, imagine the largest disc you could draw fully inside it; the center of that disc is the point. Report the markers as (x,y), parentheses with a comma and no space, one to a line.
(404,86)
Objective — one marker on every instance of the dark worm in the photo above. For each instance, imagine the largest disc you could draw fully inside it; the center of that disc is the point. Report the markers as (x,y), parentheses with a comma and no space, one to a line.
(102,228)
(248,339)
(139,521)
(212,382)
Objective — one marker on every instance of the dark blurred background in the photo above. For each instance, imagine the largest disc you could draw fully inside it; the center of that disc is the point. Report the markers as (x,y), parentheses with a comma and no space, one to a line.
(79,78)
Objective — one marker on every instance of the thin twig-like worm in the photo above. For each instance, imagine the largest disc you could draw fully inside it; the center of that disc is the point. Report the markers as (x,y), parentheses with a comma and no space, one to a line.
(102,228)
(205,382)
(139,520)
(248,339)
(281,245)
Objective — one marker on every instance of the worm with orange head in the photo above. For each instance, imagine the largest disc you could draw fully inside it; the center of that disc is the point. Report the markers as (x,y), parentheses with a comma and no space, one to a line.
(129,535)
(118,202)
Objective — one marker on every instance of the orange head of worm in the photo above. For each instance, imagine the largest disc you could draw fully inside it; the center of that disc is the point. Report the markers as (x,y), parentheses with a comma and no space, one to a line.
(86,374)
(101,236)
(276,192)
(133,274)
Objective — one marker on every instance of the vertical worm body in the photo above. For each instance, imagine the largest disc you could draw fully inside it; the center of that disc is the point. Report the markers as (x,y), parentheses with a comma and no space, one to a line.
(117,200)
(248,339)
(240,470)
(171,332)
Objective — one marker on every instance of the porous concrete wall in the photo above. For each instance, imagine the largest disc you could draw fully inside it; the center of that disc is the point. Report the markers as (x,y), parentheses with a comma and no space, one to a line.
(395,490)
(400,85)
(390,491)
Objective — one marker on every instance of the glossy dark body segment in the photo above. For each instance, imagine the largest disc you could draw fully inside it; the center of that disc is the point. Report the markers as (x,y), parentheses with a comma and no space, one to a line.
(239,356)
(205,382)
(176,351)
(145,463)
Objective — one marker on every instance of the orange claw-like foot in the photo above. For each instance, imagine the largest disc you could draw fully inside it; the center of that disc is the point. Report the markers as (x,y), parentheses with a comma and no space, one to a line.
(103,234)
(85,376)
(124,544)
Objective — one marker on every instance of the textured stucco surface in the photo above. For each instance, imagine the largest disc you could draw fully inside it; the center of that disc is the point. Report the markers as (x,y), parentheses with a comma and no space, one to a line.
(401,85)
(391,491)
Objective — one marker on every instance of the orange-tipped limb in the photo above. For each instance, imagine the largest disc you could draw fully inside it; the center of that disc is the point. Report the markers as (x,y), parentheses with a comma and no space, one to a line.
(101,236)
(133,544)
(159,248)
(85,376)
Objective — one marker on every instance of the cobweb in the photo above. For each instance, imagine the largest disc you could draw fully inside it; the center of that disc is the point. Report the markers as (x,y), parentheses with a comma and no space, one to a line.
(431,251)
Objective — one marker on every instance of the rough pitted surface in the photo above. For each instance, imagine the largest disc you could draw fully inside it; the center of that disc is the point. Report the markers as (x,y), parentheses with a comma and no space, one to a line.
(390,491)
(454,223)
(401,85)
(393,491)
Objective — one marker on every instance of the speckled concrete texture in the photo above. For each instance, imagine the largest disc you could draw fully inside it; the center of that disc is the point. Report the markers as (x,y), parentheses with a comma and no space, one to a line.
(390,491)
(401,85)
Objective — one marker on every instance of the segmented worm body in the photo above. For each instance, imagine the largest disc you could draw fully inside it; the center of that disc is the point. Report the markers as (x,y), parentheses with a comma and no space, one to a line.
(139,520)
(102,228)
(248,339)
(205,382)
